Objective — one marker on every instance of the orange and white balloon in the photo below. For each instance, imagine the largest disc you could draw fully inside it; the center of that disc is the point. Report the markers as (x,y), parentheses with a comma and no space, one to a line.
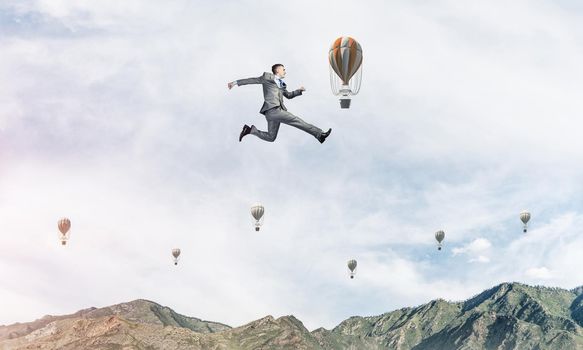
(345,58)
(64,226)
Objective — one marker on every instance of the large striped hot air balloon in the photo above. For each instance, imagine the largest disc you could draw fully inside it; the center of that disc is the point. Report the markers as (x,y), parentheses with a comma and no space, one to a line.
(64,227)
(345,57)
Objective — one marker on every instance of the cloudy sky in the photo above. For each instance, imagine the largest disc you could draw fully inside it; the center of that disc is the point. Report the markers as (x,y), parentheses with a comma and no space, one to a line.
(116,115)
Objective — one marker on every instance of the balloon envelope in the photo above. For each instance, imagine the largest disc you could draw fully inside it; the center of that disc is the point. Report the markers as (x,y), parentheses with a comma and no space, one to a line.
(176,252)
(64,225)
(351,265)
(439,236)
(345,57)
(257,211)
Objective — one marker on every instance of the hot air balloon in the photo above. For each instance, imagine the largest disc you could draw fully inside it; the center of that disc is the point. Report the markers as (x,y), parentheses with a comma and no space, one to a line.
(345,58)
(175,254)
(352,266)
(439,236)
(524,217)
(64,226)
(257,211)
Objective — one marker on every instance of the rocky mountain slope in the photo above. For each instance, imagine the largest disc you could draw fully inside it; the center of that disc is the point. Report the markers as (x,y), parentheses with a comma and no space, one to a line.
(508,316)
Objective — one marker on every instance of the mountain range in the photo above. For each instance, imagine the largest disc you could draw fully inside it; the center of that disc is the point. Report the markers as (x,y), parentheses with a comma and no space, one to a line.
(507,316)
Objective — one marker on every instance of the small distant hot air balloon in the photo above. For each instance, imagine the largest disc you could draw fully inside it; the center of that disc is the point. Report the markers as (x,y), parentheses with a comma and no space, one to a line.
(257,211)
(352,266)
(345,58)
(439,236)
(175,254)
(64,226)
(524,217)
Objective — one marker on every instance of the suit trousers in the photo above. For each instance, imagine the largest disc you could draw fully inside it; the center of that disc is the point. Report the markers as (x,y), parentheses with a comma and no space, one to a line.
(275,117)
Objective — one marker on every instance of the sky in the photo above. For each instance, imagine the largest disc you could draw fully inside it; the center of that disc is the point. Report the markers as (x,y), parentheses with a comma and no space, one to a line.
(117,115)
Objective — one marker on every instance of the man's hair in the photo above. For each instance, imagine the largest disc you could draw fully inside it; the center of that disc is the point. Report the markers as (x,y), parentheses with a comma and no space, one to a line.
(274,67)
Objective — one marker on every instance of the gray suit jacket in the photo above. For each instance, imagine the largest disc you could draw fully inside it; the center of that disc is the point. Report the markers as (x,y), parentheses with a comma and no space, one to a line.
(272,94)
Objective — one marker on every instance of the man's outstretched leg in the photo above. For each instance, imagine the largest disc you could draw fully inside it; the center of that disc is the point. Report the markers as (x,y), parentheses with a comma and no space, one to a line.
(281,116)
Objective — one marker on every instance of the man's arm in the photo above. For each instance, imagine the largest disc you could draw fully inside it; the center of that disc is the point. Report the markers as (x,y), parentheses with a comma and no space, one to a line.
(290,95)
(258,80)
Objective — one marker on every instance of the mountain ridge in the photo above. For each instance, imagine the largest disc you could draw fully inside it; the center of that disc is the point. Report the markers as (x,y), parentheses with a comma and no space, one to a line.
(506,316)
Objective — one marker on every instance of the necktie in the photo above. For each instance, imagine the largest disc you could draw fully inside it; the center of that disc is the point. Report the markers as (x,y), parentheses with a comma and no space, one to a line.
(280,82)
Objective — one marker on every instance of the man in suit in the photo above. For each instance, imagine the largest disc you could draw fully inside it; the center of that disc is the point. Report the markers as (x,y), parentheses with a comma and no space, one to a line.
(274,89)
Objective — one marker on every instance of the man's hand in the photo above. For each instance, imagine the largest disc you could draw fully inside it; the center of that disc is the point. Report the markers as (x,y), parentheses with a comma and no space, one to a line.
(230,85)
(302,88)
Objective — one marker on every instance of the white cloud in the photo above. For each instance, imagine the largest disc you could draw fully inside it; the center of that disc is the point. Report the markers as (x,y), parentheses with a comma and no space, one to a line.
(539,273)
(477,250)
(481,259)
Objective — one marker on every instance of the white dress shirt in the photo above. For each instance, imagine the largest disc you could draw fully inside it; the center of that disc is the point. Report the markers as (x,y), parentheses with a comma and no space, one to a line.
(278,80)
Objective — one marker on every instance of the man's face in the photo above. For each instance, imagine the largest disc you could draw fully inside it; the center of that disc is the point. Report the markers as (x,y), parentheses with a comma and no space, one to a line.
(280,71)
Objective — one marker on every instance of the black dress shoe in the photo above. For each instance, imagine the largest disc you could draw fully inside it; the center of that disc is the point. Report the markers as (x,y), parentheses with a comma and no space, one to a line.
(246,131)
(323,136)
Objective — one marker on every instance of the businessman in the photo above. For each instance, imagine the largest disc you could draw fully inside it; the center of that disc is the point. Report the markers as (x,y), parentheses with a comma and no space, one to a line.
(274,90)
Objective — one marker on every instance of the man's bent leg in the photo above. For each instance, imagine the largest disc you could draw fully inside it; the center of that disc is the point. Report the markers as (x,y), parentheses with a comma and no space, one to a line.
(270,134)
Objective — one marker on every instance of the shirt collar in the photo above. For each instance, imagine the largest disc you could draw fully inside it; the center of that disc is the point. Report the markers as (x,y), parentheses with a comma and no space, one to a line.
(277,79)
